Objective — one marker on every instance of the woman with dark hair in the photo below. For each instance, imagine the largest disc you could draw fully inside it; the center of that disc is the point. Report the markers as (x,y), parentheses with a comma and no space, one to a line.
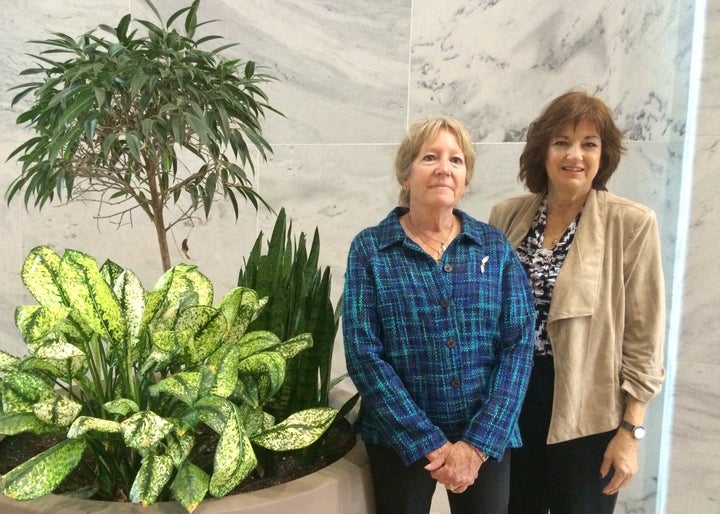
(594,264)
(438,329)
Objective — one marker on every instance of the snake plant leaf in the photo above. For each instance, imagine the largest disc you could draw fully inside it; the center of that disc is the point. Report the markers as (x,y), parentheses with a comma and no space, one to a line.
(35,321)
(208,327)
(190,485)
(39,275)
(17,422)
(44,472)
(297,431)
(60,411)
(295,345)
(85,424)
(21,390)
(121,407)
(144,430)
(183,385)
(155,471)
(8,361)
(90,296)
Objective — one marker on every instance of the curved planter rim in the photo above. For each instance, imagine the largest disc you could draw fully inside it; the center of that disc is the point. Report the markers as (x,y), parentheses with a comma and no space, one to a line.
(342,487)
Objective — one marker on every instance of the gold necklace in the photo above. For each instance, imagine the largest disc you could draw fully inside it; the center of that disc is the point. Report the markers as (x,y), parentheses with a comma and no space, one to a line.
(443,244)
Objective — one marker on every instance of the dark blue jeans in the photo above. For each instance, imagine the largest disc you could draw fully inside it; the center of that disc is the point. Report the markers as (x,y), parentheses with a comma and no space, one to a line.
(401,489)
(561,478)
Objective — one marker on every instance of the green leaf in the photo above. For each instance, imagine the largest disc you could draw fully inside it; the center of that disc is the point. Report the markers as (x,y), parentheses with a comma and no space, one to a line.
(234,458)
(121,407)
(36,321)
(85,424)
(39,275)
(59,411)
(295,345)
(17,422)
(144,430)
(7,361)
(190,485)
(44,472)
(297,431)
(208,327)
(90,296)
(184,386)
(154,473)
(21,390)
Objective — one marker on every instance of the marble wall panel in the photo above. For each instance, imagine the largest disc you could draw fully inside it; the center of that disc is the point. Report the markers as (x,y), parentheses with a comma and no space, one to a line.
(352,75)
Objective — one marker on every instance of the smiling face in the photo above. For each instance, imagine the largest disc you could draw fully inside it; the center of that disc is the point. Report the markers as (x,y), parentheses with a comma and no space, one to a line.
(573,159)
(438,175)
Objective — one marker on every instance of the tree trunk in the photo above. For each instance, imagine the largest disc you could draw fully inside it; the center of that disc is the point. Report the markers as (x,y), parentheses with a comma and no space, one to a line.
(158,207)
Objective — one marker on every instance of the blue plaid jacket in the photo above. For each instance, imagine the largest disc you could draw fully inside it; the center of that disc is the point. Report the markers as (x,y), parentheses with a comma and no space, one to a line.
(441,351)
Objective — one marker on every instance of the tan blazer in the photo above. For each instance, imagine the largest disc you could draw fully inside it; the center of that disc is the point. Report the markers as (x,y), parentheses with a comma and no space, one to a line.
(607,315)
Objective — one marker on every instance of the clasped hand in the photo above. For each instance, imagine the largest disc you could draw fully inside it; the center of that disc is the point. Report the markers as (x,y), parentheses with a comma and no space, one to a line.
(455,465)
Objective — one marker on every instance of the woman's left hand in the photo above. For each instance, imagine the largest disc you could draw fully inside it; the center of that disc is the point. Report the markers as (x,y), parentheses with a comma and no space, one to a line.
(621,455)
(454,465)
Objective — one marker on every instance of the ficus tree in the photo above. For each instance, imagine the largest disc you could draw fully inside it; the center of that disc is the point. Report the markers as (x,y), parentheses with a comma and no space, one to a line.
(143,120)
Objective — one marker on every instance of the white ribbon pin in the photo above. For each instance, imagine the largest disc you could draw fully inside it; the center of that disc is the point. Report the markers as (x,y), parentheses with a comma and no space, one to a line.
(483,262)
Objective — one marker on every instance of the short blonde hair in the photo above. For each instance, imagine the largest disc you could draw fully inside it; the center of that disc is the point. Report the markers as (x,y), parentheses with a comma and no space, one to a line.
(420,133)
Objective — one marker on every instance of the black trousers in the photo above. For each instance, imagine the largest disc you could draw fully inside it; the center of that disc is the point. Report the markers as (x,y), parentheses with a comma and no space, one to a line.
(561,478)
(401,489)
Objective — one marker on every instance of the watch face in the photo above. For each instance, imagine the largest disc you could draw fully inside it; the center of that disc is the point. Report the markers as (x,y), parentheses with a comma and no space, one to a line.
(639,432)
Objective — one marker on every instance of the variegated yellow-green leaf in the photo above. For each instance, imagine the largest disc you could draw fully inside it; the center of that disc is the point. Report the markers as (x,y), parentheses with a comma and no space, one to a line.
(230,457)
(56,357)
(248,461)
(268,364)
(8,361)
(240,306)
(183,386)
(190,485)
(154,473)
(208,327)
(35,321)
(225,364)
(144,430)
(121,407)
(84,424)
(257,341)
(110,271)
(173,285)
(59,411)
(254,420)
(44,472)
(39,274)
(90,296)
(214,411)
(130,294)
(17,422)
(298,430)
(179,445)
(295,345)
(171,342)
(20,390)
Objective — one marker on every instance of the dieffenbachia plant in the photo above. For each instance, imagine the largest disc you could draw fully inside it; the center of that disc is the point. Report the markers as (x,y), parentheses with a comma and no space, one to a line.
(133,375)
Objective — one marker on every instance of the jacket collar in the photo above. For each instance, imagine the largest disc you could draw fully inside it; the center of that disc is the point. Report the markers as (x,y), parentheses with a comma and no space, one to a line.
(578,284)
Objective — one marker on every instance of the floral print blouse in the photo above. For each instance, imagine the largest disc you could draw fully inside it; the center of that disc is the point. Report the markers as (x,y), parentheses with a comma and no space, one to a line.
(542,266)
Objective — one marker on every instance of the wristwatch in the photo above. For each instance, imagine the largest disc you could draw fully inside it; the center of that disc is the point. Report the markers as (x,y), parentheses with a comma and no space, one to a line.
(638,431)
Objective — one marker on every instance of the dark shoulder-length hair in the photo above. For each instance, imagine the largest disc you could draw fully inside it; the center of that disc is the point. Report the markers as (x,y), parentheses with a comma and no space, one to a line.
(572,107)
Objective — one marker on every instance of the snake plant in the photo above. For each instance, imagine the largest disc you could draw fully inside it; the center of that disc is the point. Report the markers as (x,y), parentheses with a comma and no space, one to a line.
(132,375)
